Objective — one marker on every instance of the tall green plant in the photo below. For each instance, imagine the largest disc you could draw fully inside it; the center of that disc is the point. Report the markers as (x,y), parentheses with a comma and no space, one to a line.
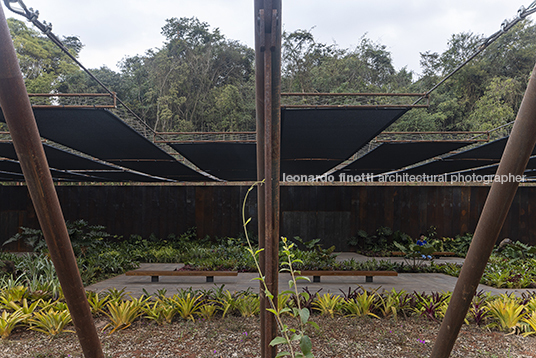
(288,334)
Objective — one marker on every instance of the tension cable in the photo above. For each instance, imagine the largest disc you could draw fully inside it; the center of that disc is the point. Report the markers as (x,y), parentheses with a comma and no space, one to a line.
(32,16)
(506,25)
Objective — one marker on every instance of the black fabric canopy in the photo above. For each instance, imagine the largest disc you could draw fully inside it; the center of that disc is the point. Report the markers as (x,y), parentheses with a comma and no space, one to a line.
(331,133)
(231,161)
(235,161)
(13,168)
(58,159)
(86,169)
(313,141)
(480,156)
(392,155)
(530,171)
(101,134)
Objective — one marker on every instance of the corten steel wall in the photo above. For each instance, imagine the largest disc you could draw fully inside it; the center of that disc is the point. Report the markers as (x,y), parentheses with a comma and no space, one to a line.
(331,213)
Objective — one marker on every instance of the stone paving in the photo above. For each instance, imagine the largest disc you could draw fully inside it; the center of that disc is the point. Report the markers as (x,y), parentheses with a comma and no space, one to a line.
(420,282)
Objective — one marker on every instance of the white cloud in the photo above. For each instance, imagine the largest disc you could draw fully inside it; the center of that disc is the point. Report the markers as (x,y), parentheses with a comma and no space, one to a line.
(113,29)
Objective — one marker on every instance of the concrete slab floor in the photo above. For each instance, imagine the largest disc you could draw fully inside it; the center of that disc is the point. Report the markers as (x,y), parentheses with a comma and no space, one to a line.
(419,282)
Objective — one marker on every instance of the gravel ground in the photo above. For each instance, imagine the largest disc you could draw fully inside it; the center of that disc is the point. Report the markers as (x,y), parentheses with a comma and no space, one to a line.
(239,337)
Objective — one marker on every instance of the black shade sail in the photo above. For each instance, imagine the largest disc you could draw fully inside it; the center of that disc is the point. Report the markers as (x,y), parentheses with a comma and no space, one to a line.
(316,140)
(313,141)
(480,156)
(396,155)
(101,134)
(13,167)
(232,161)
(530,170)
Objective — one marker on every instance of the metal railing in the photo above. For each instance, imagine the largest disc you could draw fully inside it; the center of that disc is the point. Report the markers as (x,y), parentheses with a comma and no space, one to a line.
(205,137)
(352,100)
(73,100)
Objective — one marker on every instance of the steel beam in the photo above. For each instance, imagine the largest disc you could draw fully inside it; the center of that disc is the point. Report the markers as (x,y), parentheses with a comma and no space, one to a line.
(20,119)
(513,163)
(268,101)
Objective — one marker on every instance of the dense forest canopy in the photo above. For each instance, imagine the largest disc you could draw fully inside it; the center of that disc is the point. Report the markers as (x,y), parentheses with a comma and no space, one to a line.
(201,81)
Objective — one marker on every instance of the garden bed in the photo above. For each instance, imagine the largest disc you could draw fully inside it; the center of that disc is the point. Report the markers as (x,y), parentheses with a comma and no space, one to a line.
(338,337)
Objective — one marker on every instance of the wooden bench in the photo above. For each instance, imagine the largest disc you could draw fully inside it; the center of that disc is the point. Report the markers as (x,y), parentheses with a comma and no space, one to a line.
(156,274)
(368,274)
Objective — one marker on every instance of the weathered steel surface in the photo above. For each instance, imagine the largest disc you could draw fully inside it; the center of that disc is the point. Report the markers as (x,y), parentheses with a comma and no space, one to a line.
(216,210)
(267,17)
(19,117)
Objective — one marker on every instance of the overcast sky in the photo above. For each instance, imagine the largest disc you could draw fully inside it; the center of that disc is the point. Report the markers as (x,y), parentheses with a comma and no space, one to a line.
(114,29)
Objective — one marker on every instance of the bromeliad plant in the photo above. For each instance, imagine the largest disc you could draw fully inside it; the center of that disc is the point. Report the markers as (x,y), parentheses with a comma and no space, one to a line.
(8,321)
(288,335)
(51,322)
(187,305)
(123,313)
(328,304)
(362,304)
(507,312)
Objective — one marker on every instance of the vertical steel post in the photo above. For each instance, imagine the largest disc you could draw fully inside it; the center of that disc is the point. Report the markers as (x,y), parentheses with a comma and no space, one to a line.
(268,93)
(513,163)
(20,119)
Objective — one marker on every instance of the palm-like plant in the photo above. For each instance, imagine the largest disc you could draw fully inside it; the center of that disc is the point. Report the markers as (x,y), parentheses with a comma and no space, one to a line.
(507,312)
(51,322)
(187,306)
(96,302)
(24,307)
(392,303)
(123,313)
(328,304)
(228,303)
(161,311)
(361,305)
(8,321)
(248,305)
(530,324)
(207,311)
(13,294)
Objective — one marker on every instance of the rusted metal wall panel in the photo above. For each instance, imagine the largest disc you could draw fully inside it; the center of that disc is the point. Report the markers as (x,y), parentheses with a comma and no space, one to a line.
(331,213)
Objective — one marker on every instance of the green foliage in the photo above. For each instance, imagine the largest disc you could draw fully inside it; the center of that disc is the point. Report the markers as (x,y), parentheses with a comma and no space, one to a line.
(123,313)
(8,321)
(42,63)
(248,305)
(393,302)
(161,311)
(96,302)
(378,244)
(530,322)
(362,305)
(328,304)
(187,306)
(207,311)
(507,313)
(51,322)
(432,306)
(27,309)
(516,251)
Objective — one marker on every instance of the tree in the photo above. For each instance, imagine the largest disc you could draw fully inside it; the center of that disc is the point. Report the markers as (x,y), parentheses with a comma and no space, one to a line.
(494,108)
(44,66)
(182,84)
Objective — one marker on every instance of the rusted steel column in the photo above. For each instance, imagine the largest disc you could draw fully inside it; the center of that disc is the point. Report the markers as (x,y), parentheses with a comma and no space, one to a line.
(20,119)
(513,163)
(268,93)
